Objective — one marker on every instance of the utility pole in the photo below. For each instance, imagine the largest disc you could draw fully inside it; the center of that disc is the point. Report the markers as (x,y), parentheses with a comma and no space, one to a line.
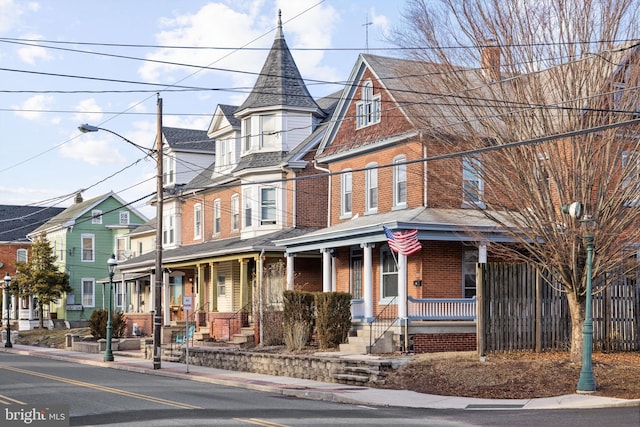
(159,273)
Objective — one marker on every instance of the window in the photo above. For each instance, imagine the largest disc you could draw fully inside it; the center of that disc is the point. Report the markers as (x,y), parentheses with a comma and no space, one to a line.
(222,286)
(168,233)
(235,212)
(248,208)
(247,134)
(124,217)
(346,193)
(399,182)
(87,247)
(197,221)
(631,178)
(96,217)
(88,292)
(472,183)
(268,205)
(371,179)
(225,152)
(139,249)
(168,170)
(368,108)
(389,274)
(22,255)
(268,131)
(469,260)
(216,216)
(117,295)
(121,248)
(356,274)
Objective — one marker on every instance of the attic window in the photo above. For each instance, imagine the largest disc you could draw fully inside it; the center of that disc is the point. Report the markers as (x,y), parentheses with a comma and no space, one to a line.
(368,108)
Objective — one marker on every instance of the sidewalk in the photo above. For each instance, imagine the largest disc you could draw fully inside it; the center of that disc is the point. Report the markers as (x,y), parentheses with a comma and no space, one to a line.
(316,390)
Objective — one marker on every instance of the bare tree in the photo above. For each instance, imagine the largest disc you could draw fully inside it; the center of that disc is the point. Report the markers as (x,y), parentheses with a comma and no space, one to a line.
(542,96)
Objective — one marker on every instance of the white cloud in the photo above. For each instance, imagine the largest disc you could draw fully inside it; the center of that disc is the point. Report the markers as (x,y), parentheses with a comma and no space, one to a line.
(88,111)
(30,54)
(93,150)
(9,14)
(33,6)
(29,109)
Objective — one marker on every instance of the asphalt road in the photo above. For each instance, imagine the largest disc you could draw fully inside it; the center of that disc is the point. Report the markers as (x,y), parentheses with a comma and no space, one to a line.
(101,396)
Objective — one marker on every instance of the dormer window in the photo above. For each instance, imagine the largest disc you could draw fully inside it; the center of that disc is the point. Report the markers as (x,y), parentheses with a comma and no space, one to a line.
(268,131)
(246,140)
(368,108)
(168,170)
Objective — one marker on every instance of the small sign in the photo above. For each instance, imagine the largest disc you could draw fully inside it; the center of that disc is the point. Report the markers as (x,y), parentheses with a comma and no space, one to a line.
(187,302)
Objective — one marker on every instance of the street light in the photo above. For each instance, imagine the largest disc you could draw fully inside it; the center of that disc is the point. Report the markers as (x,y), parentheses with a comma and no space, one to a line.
(7,284)
(157,312)
(586,382)
(112,263)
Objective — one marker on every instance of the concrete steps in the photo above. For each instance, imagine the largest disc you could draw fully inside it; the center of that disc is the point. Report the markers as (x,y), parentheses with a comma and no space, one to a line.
(360,344)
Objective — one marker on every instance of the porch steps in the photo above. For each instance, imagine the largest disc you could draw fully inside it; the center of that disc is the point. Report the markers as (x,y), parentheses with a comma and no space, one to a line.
(201,334)
(244,338)
(360,344)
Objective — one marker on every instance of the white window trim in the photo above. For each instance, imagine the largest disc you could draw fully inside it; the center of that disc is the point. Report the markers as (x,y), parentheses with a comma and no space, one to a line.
(344,213)
(22,251)
(387,299)
(248,208)
(368,98)
(271,134)
(247,138)
(217,217)
(399,164)
(197,221)
(96,216)
(477,164)
(371,170)
(235,212)
(274,208)
(124,217)
(93,247)
(93,295)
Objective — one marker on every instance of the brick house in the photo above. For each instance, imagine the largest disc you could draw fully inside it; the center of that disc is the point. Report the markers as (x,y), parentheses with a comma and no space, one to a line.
(250,196)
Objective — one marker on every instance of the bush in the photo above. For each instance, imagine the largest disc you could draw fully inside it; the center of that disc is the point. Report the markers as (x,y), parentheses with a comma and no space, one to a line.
(298,319)
(272,327)
(333,318)
(98,324)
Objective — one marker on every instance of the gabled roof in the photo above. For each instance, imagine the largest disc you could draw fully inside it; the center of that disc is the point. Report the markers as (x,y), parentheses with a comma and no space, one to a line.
(188,139)
(68,216)
(18,221)
(279,83)
(228,111)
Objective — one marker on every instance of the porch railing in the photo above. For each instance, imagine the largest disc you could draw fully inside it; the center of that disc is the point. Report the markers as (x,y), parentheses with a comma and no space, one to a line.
(357,308)
(441,308)
(382,322)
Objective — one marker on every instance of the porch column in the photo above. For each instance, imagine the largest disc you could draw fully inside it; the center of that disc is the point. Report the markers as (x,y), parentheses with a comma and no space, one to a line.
(482,252)
(334,280)
(31,308)
(138,296)
(402,286)
(165,297)
(150,304)
(367,249)
(290,267)
(244,281)
(201,289)
(326,270)
(213,268)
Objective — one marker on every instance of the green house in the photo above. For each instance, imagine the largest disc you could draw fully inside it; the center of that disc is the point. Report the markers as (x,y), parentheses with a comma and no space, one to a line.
(83,237)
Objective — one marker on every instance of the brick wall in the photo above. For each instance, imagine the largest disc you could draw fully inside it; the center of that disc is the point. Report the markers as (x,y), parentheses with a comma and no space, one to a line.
(434,343)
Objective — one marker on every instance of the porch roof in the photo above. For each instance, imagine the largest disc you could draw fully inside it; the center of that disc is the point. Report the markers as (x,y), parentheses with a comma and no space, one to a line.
(431,223)
(212,249)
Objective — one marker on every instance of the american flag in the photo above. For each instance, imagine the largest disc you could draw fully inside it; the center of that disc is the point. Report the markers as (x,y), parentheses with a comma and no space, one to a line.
(405,243)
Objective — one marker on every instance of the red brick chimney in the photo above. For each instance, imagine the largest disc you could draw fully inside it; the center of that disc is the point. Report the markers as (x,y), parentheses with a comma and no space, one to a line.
(490,60)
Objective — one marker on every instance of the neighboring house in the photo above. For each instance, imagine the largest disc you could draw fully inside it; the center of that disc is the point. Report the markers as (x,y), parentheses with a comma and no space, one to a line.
(373,148)
(84,236)
(248,197)
(16,222)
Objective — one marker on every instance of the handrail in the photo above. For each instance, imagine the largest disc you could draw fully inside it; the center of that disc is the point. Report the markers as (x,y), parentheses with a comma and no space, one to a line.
(234,316)
(384,315)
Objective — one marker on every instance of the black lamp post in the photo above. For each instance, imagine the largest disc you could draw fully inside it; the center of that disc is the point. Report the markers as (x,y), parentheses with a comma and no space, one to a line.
(7,284)
(112,264)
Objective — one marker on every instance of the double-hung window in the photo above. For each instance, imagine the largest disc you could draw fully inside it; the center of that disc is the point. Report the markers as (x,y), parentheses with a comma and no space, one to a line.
(371,179)
(123,217)
(96,216)
(472,182)
(469,261)
(22,255)
(88,248)
(268,131)
(389,271)
(88,292)
(168,230)
(248,207)
(246,140)
(268,205)
(235,212)
(216,217)
(346,193)
(368,108)
(197,221)
(399,182)
(168,170)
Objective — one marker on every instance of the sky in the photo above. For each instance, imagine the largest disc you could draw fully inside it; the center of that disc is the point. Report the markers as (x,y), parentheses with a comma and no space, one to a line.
(65,63)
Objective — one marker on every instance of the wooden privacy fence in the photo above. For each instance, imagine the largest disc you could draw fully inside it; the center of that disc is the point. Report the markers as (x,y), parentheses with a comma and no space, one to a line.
(519,310)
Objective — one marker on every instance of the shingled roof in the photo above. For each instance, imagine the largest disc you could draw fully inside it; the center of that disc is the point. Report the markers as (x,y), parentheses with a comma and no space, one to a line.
(188,139)
(279,82)
(18,221)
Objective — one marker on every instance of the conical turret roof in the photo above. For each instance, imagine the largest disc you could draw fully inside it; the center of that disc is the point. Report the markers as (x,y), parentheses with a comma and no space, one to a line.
(279,83)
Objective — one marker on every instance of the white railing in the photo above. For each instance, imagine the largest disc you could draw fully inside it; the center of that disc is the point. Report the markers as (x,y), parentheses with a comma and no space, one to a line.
(441,309)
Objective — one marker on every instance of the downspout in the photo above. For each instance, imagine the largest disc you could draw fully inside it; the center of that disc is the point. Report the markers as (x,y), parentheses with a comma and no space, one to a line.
(315,165)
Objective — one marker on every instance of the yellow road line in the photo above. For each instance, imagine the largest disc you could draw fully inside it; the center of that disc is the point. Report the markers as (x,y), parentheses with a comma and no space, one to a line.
(8,400)
(102,388)
(259,422)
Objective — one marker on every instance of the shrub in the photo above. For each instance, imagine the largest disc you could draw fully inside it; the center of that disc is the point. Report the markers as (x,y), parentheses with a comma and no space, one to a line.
(272,327)
(98,324)
(298,319)
(333,318)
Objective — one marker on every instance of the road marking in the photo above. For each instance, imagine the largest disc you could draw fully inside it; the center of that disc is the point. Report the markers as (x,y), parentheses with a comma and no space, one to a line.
(8,400)
(259,422)
(102,388)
